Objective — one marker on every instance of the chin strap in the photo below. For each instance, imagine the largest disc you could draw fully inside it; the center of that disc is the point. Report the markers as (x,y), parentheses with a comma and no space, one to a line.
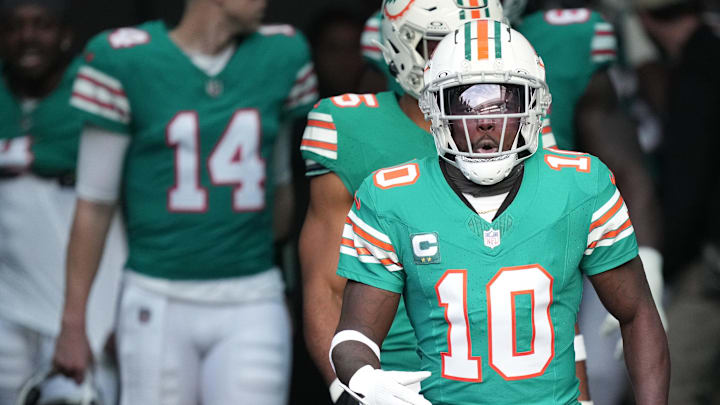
(465,186)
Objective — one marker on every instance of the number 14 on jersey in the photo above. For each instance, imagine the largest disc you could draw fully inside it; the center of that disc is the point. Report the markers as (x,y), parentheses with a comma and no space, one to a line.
(234,161)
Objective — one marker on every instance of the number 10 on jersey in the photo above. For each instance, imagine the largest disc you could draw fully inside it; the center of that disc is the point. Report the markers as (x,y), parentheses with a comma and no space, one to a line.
(234,161)
(501,294)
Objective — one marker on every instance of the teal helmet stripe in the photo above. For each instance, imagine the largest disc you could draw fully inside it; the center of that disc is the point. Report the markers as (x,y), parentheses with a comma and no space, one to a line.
(468,41)
(498,40)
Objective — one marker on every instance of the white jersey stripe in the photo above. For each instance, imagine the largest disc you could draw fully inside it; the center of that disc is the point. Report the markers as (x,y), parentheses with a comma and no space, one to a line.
(320,116)
(600,212)
(603,42)
(322,152)
(320,134)
(612,224)
(549,140)
(94,108)
(101,77)
(609,242)
(305,72)
(367,228)
(348,231)
(603,26)
(301,87)
(347,250)
(377,252)
(101,94)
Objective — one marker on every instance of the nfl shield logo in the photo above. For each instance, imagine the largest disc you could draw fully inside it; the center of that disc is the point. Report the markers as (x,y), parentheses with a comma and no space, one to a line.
(491,238)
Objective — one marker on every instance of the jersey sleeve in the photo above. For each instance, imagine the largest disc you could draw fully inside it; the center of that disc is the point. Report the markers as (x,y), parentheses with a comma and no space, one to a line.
(304,90)
(611,237)
(367,252)
(603,45)
(319,145)
(98,90)
(369,40)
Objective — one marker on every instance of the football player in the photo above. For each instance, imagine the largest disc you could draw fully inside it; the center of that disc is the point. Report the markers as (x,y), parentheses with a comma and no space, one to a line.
(350,136)
(39,135)
(488,244)
(183,120)
(578,47)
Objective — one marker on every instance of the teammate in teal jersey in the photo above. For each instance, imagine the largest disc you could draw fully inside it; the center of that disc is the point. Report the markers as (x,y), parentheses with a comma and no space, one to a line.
(377,76)
(183,121)
(347,138)
(578,48)
(39,135)
(488,245)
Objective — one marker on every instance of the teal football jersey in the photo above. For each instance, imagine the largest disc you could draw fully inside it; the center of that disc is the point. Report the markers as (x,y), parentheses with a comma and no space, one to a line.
(197,184)
(43,136)
(493,304)
(353,135)
(574,44)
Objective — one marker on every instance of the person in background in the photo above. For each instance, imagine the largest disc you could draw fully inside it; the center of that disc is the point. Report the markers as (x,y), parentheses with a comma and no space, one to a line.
(335,41)
(690,193)
(183,120)
(39,135)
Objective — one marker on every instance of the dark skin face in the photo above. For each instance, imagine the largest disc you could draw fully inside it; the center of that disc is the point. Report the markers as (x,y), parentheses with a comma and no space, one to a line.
(33,42)
(485,134)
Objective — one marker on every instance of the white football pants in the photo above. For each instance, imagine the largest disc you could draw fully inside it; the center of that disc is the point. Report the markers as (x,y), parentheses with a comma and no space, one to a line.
(181,352)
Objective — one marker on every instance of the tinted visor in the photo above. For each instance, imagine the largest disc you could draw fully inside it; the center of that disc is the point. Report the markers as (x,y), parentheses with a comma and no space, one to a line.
(484,99)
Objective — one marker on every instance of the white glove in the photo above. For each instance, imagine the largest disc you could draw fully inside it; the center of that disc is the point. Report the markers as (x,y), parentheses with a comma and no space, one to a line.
(380,387)
(652,263)
(336,390)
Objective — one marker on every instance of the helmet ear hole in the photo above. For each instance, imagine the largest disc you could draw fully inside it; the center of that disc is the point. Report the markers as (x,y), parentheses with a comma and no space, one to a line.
(393,69)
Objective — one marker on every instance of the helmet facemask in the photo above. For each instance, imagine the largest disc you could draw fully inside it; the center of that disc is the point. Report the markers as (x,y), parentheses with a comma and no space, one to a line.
(483,125)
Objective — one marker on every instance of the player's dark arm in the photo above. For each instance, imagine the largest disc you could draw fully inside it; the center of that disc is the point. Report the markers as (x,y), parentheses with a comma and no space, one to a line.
(370,311)
(319,251)
(604,130)
(625,293)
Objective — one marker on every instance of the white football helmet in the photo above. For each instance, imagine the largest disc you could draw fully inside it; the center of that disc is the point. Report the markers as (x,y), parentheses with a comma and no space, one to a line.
(407,25)
(485,72)
(50,388)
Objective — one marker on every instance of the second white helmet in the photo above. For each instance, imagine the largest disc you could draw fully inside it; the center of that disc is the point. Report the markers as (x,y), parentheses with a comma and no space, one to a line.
(407,25)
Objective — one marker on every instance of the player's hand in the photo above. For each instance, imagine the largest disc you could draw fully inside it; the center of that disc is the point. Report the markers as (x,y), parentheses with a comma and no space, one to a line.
(72,355)
(379,387)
